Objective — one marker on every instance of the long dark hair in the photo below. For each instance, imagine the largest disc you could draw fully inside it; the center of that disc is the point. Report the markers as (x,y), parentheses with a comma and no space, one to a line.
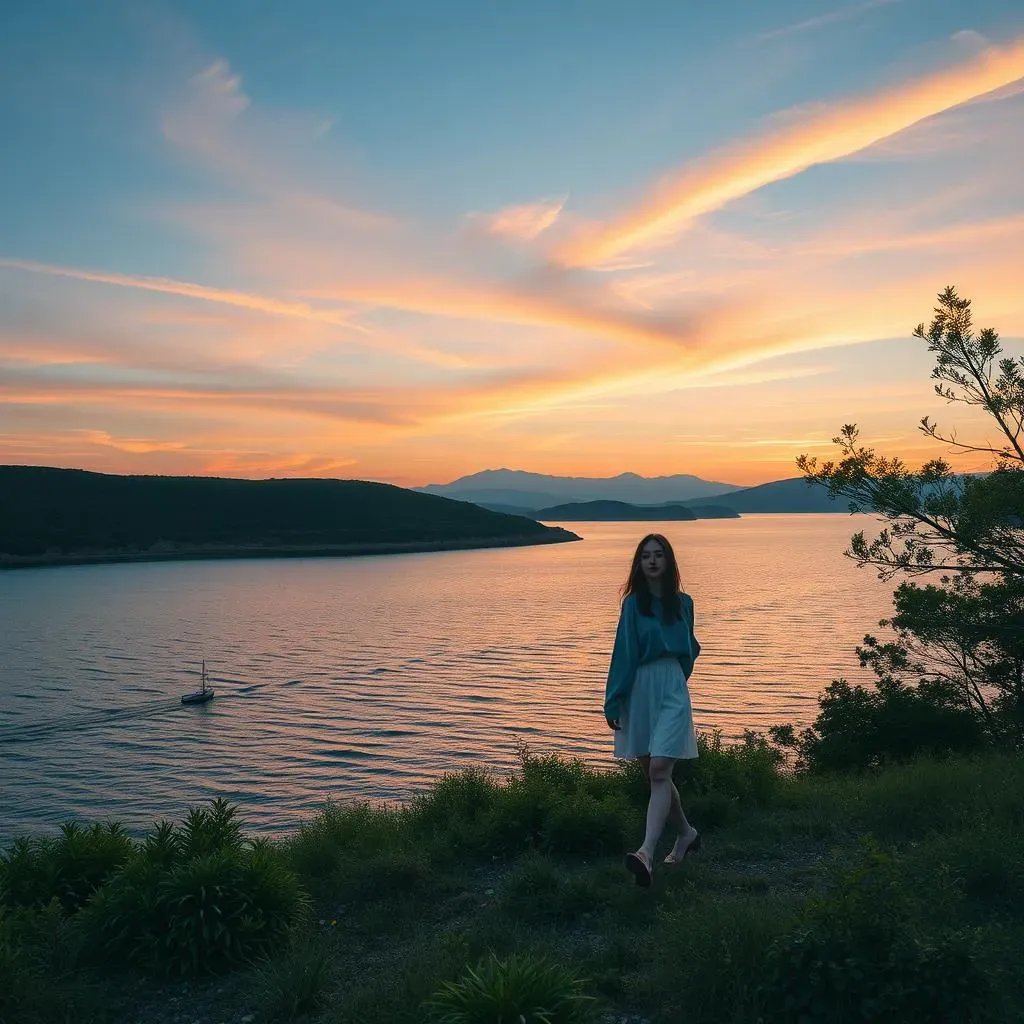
(671,588)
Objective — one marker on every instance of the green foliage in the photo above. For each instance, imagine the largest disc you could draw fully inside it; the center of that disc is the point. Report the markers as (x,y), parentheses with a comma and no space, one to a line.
(38,955)
(456,809)
(207,831)
(68,867)
(859,728)
(858,955)
(398,880)
(918,931)
(747,771)
(339,831)
(518,989)
(295,984)
(538,891)
(964,635)
(197,899)
(706,956)
(986,861)
(66,511)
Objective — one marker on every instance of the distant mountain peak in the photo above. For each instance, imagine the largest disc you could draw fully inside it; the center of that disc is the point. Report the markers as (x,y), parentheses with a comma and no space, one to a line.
(519,487)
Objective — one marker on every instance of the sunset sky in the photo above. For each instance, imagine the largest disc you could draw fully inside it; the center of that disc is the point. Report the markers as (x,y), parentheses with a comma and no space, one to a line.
(407,241)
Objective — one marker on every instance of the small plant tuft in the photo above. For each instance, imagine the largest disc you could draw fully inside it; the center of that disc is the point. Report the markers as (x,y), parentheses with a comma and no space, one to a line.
(294,985)
(518,989)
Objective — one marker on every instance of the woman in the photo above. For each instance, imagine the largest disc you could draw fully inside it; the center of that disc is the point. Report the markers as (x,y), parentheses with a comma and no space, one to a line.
(647,700)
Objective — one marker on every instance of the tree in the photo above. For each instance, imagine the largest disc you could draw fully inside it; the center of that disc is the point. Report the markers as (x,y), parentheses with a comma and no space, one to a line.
(964,633)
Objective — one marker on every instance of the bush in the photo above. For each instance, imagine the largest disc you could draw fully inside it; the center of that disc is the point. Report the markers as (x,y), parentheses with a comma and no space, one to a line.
(578,823)
(385,875)
(452,810)
(859,954)
(68,867)
(520,989)
(294,985)
(859,728)
(748,771)
(197,898)
(339,830)
(38,957)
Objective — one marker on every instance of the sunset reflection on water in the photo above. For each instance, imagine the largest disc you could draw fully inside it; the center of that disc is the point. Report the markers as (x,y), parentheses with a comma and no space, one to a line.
(370,677)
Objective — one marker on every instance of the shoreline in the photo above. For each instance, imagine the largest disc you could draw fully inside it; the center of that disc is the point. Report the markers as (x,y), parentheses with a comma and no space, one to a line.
(558,535)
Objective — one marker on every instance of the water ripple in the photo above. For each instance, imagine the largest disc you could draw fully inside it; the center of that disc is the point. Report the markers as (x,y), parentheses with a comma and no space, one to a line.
(368,678)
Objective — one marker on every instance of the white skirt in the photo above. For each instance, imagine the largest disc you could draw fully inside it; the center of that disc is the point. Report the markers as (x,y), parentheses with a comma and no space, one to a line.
(658,718)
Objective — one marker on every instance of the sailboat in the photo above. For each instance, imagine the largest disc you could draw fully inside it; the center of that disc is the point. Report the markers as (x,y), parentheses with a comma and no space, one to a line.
(199,696)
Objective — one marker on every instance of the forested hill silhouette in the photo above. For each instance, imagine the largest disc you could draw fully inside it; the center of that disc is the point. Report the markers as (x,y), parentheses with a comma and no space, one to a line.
(613,511)
(69,515)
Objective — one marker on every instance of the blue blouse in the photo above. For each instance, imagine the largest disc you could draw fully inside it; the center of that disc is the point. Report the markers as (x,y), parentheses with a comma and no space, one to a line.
(641,639)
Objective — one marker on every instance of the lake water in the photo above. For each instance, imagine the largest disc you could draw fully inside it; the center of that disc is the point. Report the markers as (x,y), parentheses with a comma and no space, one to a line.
(369,677)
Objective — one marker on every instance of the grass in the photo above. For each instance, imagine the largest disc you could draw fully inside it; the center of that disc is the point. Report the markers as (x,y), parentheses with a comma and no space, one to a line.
(901,891)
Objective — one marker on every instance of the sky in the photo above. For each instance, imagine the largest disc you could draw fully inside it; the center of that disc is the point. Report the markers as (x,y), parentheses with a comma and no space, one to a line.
(407,242)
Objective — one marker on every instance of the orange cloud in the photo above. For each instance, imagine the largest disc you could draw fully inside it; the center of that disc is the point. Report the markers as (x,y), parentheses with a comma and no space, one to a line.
(133,445)
(297,310)
(524,222)
(545,301)
(809,138)
(375,338)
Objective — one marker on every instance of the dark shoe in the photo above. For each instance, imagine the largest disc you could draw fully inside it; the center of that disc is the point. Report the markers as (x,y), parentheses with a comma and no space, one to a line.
(639,868)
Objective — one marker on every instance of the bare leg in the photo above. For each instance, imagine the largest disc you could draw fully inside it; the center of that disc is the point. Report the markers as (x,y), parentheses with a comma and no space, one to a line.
(660,805)
(686,834)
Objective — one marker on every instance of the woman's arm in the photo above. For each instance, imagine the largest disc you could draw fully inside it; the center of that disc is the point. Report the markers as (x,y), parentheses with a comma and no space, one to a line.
(625,657)
(694,642)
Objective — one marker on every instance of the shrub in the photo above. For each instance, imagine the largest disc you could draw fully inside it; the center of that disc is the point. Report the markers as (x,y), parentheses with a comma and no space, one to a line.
(207,831)
(859,955)
(559,805)
(339,830)
(68,867)
(384,874)
(859,728)
(706,955)
(452,810)
(748,771)
(37,963)
(519,989)
(197,899)
(579,823)
(294,985)
(822,976)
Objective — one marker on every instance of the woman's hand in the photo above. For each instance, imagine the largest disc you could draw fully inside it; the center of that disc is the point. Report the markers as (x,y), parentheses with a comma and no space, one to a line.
(614,724)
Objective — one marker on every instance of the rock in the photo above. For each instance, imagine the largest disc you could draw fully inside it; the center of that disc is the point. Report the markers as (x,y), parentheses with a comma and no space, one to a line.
(248,1018)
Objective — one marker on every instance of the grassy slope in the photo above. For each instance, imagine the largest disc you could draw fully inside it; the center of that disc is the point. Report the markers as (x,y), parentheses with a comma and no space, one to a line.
(405,899)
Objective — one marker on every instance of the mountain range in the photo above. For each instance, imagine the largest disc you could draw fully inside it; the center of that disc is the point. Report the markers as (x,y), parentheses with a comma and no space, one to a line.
(521,493)
(518,489)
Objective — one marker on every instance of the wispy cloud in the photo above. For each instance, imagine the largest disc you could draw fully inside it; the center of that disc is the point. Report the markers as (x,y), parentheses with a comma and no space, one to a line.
(273,158)
(525,222)
(551,302)
(840,14)
(185,289)
(807,137)
(400,347)
(132,445)
(340,318)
